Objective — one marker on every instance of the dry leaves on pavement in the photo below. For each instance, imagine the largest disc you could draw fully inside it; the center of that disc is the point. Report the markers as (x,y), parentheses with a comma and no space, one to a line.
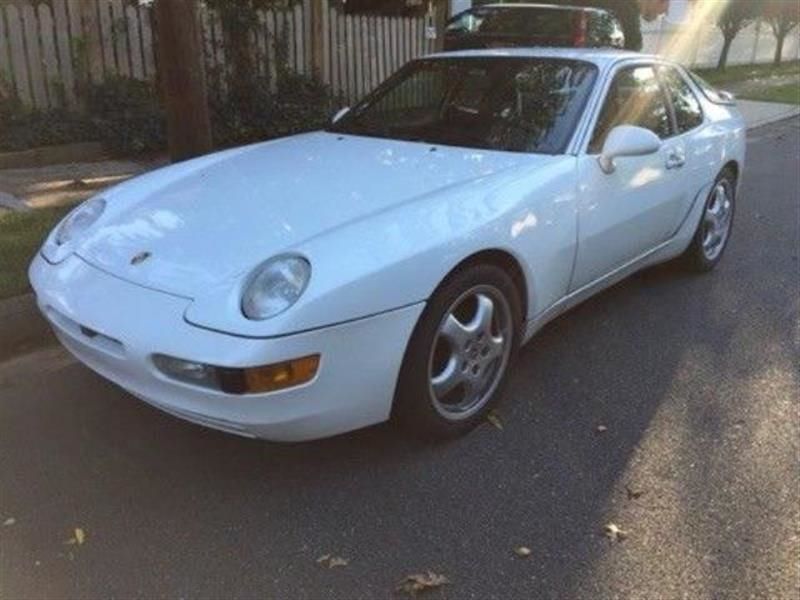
(330,561)
(78,537)
(420,582)
(613,532)
(494,419)
(633,493)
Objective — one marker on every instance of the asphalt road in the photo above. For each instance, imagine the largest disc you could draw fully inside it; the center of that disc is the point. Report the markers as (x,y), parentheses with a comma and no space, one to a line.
(694,377)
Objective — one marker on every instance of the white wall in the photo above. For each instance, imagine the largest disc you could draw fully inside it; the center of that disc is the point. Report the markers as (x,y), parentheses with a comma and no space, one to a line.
(456,6)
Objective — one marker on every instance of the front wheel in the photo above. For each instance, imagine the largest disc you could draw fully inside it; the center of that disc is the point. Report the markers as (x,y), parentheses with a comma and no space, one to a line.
(714,229)
(459,354)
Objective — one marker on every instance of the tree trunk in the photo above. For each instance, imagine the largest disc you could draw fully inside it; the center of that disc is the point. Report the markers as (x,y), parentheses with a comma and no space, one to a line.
(779,48)
(183,79)
(723,55)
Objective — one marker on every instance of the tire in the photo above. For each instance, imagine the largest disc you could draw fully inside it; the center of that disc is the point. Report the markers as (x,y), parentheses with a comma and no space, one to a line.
(702,255)
(457,359)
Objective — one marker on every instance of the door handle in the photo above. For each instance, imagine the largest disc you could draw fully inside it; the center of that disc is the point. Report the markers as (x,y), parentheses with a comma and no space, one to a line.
(675,160)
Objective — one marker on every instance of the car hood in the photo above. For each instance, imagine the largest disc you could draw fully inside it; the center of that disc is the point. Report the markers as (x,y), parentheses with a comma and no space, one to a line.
(212,219)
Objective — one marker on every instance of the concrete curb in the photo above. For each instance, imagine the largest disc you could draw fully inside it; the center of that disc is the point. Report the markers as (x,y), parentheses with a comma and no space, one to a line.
(771,120)
(11,202)
(758,114)
(22,327)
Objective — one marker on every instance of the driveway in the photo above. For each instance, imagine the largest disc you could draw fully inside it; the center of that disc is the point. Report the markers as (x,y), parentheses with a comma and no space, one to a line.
(666,406)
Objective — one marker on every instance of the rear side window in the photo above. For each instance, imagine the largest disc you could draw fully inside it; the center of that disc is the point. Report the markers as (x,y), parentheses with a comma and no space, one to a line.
(710,92)
(511,21)
(604,30)
(688,113)
(634,98)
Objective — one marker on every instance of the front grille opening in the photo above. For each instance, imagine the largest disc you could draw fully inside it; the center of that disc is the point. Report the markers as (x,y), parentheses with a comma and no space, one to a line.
(88,332)
(91,337)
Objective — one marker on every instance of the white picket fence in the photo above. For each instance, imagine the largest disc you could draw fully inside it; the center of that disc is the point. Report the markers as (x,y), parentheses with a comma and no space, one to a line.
(48,48)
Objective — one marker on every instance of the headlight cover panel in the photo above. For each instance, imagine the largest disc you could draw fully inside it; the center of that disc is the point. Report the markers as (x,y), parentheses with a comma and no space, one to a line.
(275,286)
(61,241)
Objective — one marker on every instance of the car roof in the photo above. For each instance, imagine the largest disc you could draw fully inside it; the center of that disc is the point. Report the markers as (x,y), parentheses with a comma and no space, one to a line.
(540,6)
(599,56)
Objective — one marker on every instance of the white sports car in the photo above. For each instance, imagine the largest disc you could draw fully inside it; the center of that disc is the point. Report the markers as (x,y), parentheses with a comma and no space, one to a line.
(392,264)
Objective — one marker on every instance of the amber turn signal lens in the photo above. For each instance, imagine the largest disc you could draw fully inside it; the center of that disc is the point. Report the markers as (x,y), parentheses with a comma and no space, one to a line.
(269,378)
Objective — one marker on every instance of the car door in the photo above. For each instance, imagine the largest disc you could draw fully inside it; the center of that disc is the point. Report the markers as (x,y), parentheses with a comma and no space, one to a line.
(699,143)
(624,214)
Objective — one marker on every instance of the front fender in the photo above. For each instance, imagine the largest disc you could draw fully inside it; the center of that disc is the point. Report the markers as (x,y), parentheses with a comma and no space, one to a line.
(398,257)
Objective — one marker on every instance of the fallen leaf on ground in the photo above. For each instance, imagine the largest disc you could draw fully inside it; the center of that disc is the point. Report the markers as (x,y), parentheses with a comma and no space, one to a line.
(331,561)
(522,551)
(419,582)
(494,419)
(9,522)
(634,494)
(337,561)
(614,533)
(78,537)
(601,429)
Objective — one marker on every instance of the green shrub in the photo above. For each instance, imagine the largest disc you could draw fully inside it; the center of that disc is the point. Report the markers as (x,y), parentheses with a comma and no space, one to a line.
(127,115)
(22,128)
(298,103)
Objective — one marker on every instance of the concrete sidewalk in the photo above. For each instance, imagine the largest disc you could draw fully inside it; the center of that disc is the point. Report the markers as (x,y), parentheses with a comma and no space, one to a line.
(757,114)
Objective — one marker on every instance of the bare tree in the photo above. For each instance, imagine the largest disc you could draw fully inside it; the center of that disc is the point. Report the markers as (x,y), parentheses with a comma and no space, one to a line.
(782,16)
(734,16)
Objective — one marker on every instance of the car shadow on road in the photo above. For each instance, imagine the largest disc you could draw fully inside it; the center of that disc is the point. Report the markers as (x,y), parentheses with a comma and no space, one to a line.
(391,504)
(692,362)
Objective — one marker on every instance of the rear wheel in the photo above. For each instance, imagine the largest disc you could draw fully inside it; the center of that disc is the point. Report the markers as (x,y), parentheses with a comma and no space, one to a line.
(459,354)
(714,229)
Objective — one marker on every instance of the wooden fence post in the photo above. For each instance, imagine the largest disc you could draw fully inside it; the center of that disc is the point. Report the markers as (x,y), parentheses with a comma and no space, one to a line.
(317,39)
(440,20)
(92,69)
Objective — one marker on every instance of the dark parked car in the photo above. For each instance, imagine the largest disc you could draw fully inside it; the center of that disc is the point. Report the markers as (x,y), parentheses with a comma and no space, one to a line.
(509,25)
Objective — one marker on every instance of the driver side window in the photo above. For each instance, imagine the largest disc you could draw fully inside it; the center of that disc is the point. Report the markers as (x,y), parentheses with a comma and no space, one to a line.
(634,98)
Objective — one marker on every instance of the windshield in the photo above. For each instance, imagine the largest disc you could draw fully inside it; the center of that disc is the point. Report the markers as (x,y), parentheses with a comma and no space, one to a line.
(498,103)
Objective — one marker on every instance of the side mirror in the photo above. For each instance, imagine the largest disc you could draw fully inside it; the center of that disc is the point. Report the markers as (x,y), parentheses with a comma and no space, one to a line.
(340,113)
(627,140)
(726,97)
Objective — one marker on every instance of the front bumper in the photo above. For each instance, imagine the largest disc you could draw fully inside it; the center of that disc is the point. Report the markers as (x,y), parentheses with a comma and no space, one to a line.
(115,327)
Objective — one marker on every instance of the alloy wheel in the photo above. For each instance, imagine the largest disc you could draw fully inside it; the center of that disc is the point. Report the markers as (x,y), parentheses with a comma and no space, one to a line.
(470,352)
(717,220)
